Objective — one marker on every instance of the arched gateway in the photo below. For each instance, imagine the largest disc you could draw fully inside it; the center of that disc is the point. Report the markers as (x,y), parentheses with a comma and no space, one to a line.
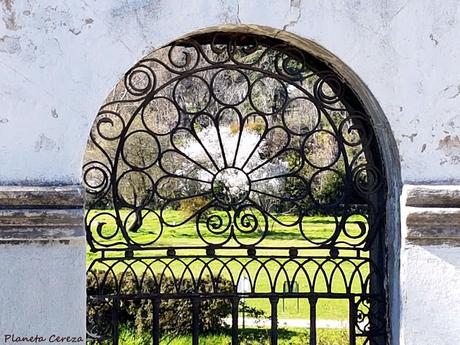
(229,176)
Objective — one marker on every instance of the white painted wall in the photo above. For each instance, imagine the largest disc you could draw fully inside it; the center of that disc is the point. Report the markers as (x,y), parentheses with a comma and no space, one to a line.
(42,290)
(431,296)
(59,59)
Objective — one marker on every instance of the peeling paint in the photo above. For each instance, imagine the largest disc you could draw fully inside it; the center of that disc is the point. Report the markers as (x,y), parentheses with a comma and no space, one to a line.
(10,44)
(44,143)
(137,13)
(434,40)
(451,146)
(75,31)
(9,15)
(449,142)
(410,136)
(229,11)
(53,18)
(127,8)
(86,22)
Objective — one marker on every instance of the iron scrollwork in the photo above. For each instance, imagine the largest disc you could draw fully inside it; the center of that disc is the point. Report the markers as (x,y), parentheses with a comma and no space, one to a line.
(239,131)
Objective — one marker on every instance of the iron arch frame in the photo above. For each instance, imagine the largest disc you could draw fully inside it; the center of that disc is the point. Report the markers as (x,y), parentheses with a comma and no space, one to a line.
(299,77)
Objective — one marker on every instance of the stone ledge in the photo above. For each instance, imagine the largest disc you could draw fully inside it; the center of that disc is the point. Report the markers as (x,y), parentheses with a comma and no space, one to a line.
(31,214)
(432,214)
(38,196)
(433,225)
(433,196)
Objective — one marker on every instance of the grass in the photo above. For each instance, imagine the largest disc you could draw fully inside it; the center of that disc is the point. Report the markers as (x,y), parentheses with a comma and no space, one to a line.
(248,336)
(316,227)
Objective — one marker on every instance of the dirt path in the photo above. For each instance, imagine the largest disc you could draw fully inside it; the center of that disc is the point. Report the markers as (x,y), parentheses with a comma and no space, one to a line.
(298,323)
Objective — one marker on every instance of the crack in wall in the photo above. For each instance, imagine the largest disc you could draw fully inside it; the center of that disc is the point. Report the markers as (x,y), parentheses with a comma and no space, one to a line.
(448,90)
(141,26)
(294,6)
(399,10)
(457,93)
(238,19)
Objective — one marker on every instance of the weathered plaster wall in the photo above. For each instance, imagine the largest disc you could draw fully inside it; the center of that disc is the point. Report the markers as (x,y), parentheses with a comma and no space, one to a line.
(41,290)
(431,280)
(430,265)
(42,252)
(59,59)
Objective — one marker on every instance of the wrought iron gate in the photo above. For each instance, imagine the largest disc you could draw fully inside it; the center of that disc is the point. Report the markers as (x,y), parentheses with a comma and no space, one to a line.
(230,167)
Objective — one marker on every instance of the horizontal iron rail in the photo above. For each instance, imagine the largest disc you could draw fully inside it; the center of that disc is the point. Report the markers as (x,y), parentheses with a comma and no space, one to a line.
(153,257)
(258,247)
(210,295)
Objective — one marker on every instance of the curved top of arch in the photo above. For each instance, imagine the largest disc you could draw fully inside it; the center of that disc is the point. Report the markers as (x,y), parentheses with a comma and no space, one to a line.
(238,139)
(384,134)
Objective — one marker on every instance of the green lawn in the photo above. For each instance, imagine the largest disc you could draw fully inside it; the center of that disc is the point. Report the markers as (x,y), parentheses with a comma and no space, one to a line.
(252,336)
(316,227)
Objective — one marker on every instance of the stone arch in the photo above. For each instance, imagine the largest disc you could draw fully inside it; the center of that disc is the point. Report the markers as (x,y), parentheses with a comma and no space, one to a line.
(380,125)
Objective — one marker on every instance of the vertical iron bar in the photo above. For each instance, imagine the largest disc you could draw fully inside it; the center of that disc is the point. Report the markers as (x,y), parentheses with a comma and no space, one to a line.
(115,312)
(195,320)
(312,301)
(352,321)
(235,302)
(156,321)
(244,313)
(274,327)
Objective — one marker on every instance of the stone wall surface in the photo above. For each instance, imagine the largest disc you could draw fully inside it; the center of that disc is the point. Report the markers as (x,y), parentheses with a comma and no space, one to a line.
(42,291)
(42,251)
(430,277)
(60,59)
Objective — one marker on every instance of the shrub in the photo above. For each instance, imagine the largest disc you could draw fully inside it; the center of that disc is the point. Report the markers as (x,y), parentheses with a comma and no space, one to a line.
(137,314)
(191,205)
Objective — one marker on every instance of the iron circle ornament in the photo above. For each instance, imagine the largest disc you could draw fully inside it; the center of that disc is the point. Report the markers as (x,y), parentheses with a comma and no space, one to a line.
(231,186)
